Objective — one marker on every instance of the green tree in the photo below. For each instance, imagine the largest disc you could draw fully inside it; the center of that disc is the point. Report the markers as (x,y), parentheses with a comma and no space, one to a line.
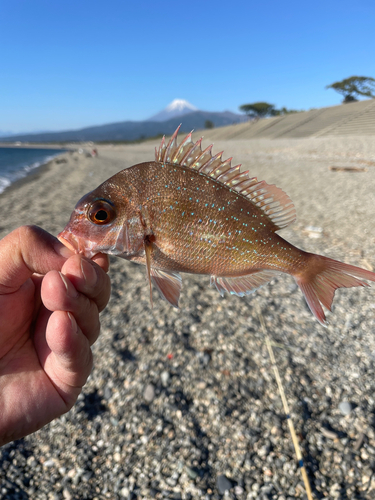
(353,87)
(209,124)
(258,109)
(286,111)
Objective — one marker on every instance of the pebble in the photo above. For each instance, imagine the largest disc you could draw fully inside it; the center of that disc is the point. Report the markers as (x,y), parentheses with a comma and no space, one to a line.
(165,377)
(223,484)
(124,492)
(107,393)
(49,463)
(345,407)
(329,434)
(66,494)
(193,474)
(149,393)
(238,490)
(31,462)
(359,441)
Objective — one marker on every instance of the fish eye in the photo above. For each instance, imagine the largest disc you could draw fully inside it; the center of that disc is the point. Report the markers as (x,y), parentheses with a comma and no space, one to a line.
(101,212)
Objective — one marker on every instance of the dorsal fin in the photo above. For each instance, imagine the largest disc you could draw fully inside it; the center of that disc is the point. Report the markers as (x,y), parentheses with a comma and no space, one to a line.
(270,199)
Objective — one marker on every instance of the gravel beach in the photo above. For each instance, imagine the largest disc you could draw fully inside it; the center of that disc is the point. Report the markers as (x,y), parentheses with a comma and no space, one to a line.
(183,404)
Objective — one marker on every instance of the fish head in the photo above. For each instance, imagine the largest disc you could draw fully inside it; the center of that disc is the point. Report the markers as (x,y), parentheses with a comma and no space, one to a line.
(98,224)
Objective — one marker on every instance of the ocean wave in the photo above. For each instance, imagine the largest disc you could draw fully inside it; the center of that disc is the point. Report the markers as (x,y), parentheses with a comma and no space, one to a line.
(10,176)
(4,183)
(33,166)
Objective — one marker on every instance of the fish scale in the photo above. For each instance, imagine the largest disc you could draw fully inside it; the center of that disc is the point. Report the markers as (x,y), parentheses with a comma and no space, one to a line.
(189,211)
(214,232)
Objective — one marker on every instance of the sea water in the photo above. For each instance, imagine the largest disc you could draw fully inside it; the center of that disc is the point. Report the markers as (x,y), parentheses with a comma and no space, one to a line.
(16,163)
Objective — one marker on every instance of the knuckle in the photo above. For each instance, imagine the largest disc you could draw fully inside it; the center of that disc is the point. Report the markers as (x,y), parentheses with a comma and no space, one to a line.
(87,309)
(29,232)
(90,323)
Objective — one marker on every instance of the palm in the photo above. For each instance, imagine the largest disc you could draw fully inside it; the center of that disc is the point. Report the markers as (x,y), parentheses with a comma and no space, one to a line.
(47,326)
(23,380)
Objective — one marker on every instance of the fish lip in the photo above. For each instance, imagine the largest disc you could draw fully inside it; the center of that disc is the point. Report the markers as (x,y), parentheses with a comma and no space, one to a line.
(76,244)
(71,243)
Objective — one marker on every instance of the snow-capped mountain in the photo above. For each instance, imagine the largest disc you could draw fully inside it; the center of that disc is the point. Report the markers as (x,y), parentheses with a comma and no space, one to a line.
(178,107)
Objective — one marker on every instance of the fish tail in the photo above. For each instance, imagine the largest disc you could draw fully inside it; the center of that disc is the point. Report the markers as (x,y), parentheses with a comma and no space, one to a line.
(322,277)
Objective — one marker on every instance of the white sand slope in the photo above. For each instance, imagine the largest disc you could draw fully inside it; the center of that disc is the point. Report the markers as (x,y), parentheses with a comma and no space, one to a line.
(356,119)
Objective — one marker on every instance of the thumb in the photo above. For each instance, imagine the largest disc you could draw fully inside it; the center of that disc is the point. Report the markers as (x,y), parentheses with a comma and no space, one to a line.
(28,250)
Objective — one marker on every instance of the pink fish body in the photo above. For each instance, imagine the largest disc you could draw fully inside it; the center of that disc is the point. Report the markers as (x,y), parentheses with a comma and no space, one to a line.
(189,211)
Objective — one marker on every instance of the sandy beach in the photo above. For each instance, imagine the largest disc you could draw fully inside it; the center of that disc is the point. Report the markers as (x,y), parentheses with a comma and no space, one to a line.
(183,404)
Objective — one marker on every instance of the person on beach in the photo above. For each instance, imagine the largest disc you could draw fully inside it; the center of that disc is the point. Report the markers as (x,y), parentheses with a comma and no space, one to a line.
(50,301)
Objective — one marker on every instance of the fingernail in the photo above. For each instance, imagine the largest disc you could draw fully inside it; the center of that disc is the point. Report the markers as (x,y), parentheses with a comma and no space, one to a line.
(89,273)
(73,322)
(70,290)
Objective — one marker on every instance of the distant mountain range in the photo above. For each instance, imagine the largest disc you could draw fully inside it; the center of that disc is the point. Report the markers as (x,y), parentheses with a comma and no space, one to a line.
(165,122)
(9,133)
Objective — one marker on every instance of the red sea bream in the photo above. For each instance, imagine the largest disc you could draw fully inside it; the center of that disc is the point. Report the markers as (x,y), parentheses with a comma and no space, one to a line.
(191,212)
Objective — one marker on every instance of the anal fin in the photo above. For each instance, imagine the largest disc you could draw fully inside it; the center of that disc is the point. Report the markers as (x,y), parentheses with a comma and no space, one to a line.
(168,284)
(243,285)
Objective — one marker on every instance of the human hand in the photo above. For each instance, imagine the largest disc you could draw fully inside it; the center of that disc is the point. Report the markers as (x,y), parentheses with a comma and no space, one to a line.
(50,301)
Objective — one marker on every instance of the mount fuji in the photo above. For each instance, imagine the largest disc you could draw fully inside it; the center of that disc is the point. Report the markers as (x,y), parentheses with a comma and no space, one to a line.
(178,107)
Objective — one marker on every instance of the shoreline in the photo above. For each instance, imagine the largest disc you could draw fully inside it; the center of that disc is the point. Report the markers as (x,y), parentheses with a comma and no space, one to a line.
(34,173)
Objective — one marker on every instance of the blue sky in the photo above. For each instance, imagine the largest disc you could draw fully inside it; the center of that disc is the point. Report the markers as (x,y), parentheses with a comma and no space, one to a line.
(74,64)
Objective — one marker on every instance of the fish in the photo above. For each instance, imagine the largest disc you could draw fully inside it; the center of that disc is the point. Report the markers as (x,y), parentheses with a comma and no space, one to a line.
(190,211)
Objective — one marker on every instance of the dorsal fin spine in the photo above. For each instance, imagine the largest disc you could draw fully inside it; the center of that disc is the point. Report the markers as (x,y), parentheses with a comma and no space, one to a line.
(159,155)
(187,160)
(225,178)
(274,203)
(188,151)
(209,166)
(171,144)
(224,167)
(237,179)
(181,147)
(200,161)
(241,186)
(222,174)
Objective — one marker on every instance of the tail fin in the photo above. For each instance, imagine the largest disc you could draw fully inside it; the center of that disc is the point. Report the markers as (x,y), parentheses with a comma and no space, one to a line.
(323,276)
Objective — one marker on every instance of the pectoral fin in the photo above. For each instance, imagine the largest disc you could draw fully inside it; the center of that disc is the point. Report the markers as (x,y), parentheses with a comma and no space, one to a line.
(148,250)
(168,284)
(242,285)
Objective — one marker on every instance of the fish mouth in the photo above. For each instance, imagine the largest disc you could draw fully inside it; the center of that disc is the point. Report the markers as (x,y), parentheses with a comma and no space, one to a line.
(68,240)
(78,245)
